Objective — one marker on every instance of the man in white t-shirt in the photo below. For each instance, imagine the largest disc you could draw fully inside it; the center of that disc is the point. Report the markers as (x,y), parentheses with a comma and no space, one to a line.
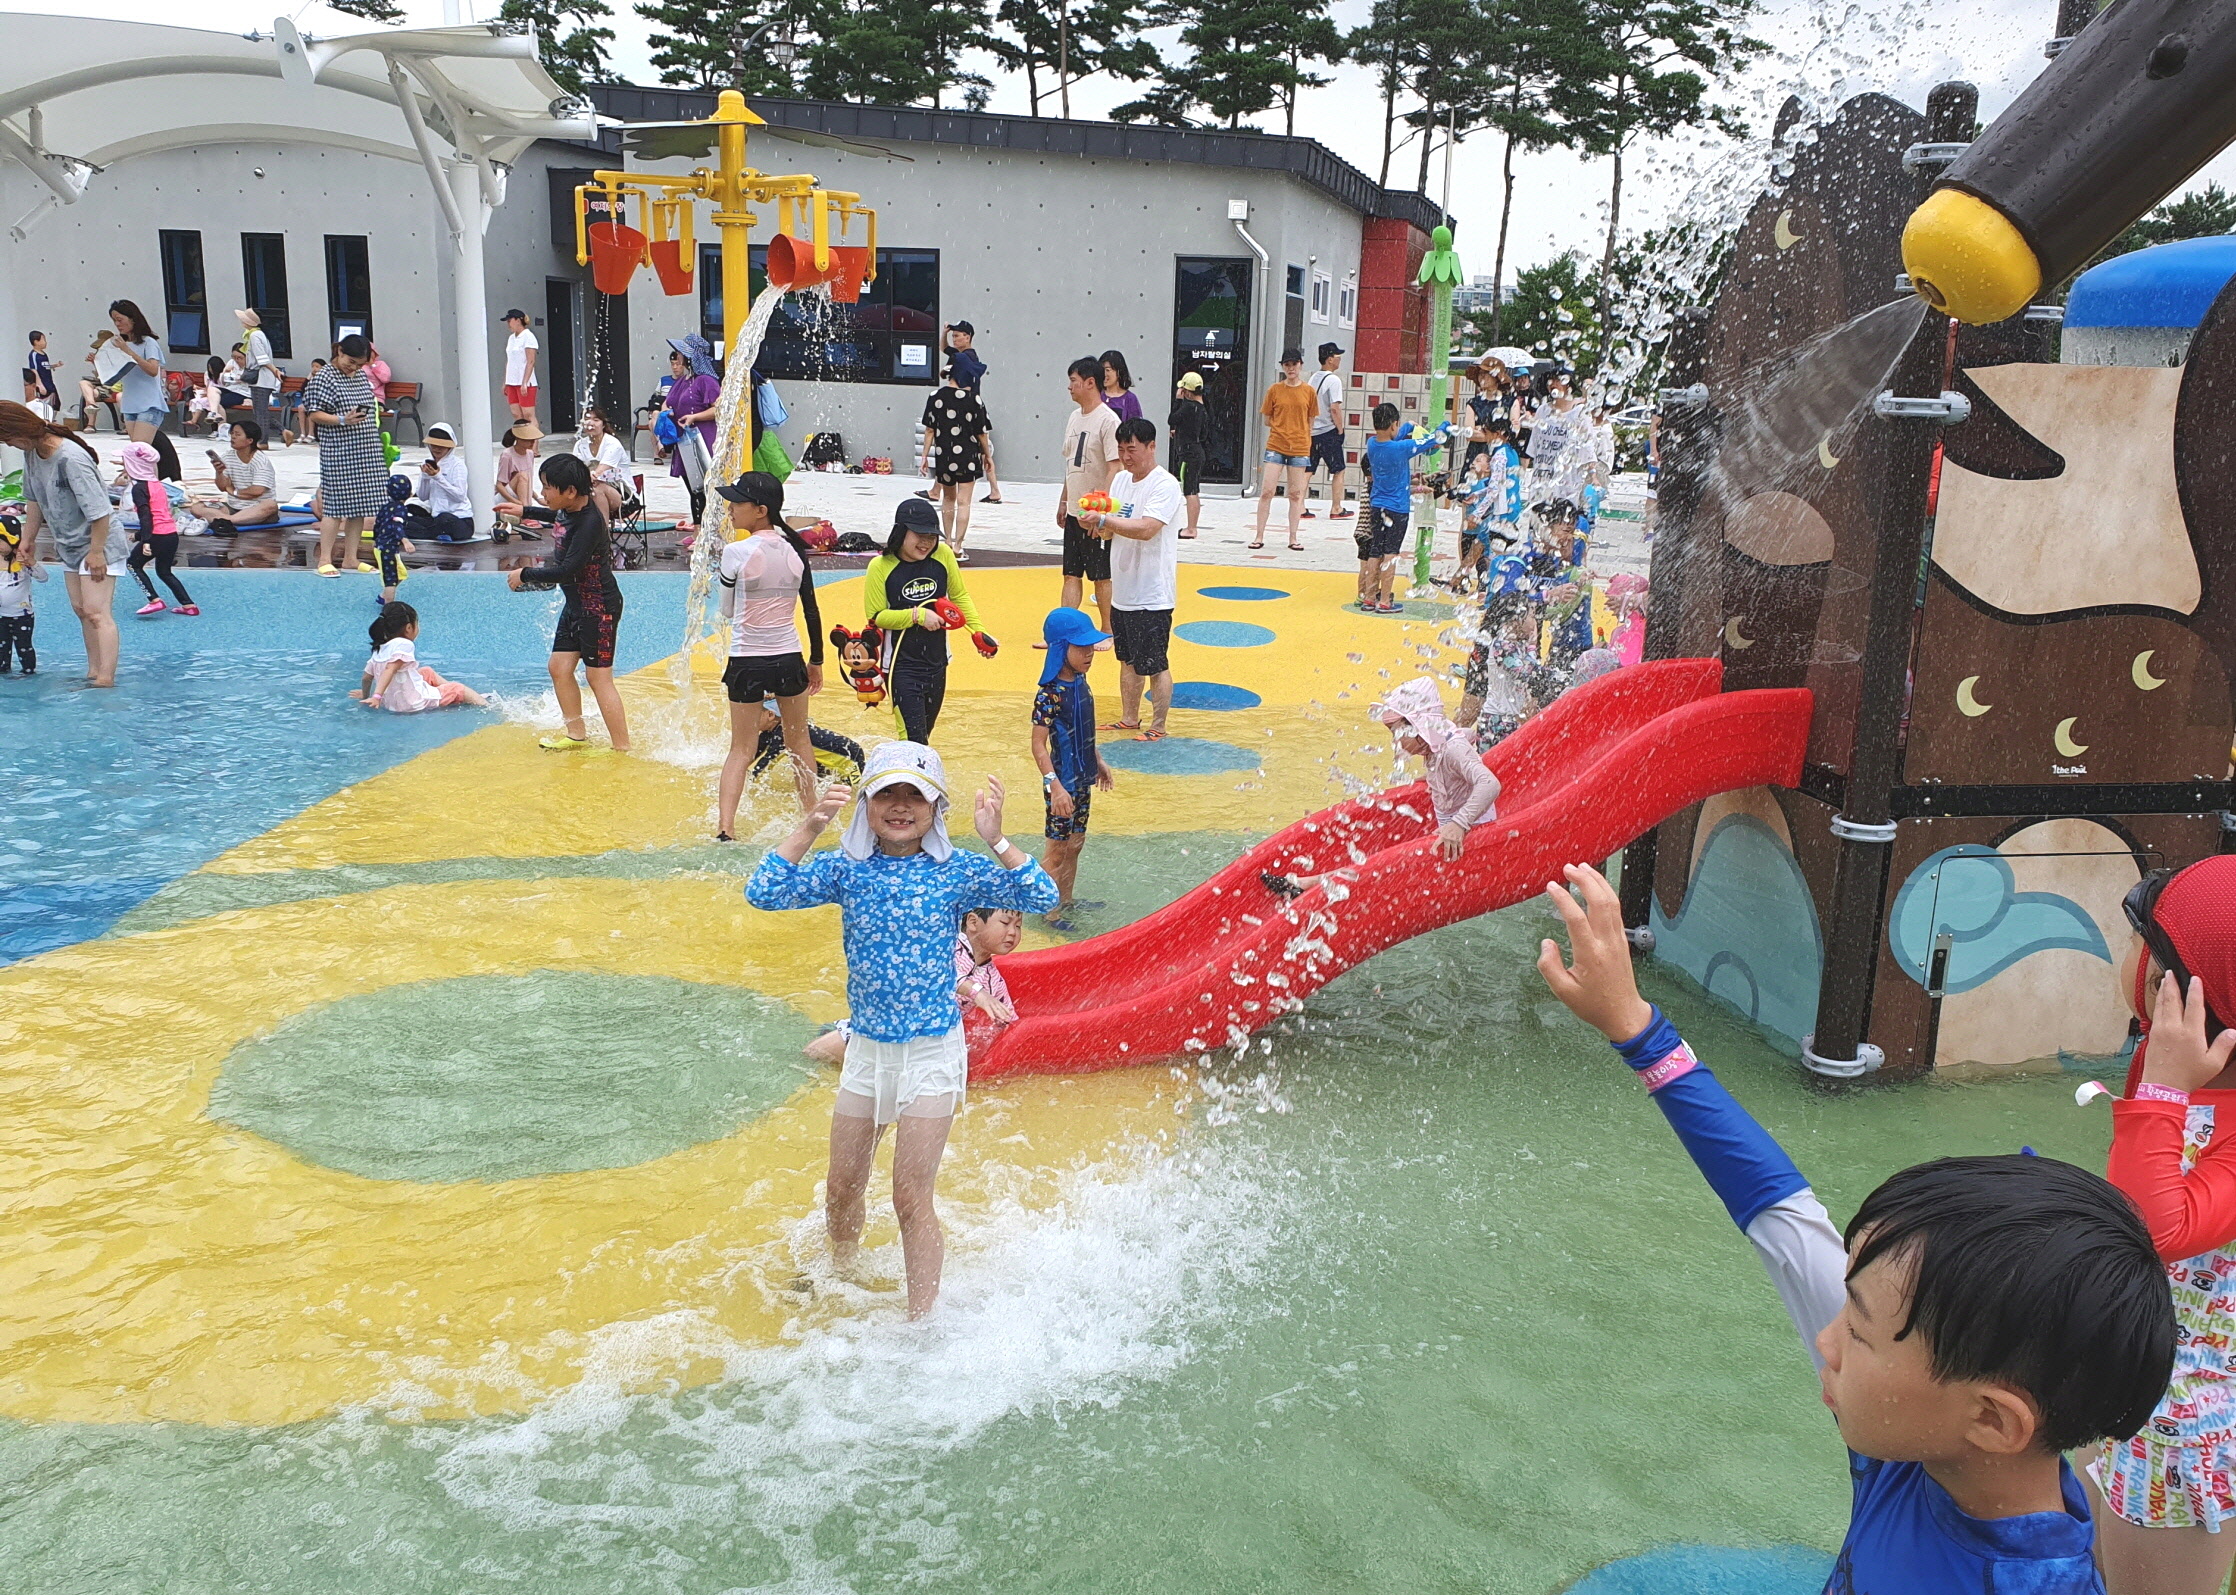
(1327,426)
(1143,529)
(520,366)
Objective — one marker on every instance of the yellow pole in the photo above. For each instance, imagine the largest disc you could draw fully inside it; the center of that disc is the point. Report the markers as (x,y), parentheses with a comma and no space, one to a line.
(732,218)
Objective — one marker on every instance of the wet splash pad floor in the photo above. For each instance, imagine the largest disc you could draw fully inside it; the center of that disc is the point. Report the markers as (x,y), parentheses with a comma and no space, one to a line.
(412,1174)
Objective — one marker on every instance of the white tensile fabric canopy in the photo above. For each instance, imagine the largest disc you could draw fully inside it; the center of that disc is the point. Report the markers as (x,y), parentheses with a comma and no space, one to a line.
(79,94)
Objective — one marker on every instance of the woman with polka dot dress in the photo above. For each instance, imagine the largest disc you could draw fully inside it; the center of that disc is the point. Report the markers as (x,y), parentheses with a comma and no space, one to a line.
(955,446)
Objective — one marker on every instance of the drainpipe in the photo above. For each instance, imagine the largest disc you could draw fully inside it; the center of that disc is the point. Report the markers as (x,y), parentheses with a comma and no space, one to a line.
(1262,311)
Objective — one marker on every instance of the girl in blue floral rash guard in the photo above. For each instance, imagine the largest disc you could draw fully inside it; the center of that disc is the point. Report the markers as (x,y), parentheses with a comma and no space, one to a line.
(901,889)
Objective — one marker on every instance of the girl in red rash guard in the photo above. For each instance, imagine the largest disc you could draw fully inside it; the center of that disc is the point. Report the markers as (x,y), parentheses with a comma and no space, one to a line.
(2164,1497)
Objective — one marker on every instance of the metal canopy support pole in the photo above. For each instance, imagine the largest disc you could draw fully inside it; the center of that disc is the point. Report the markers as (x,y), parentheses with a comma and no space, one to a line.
(470,295)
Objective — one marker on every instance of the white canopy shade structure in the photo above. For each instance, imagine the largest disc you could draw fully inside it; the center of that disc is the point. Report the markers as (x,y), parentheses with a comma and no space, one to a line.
(80,96)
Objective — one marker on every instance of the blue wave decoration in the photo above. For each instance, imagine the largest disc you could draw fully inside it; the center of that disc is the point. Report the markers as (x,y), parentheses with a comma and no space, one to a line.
(1969,892)
(1747,930)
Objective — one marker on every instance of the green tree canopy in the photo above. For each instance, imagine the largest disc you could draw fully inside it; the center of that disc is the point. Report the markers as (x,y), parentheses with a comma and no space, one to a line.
(569,40)
(895,52)
(698,43)
(1243,57)
(2208,213)
(1056,43)
(1651,65)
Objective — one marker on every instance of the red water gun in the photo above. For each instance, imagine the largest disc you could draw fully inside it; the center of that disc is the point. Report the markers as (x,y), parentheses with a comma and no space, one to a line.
(951,617)
(1097,504)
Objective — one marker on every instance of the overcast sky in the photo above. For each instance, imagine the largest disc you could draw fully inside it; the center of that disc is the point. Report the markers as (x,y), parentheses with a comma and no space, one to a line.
(1824,49)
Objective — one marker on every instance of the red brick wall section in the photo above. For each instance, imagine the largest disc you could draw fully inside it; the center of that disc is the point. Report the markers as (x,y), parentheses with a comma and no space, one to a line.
(1393,310)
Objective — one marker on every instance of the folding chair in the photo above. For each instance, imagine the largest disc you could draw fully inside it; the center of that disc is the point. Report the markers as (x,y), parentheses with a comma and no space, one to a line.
(628,528)
(401,405)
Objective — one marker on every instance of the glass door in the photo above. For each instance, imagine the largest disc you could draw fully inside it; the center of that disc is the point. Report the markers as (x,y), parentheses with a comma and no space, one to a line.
(1211,337)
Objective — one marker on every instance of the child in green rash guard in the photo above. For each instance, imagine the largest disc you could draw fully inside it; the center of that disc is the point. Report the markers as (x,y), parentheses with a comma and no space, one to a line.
(902,591)
(901,888)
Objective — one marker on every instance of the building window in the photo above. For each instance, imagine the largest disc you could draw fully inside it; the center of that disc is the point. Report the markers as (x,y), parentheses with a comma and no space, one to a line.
(1323,287)
(891,335)
(184,296)
(710,293)
(349,287)
(1347,302)
(264,280)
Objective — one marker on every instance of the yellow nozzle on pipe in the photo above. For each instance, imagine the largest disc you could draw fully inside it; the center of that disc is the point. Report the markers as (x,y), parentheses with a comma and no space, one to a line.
(1965,257)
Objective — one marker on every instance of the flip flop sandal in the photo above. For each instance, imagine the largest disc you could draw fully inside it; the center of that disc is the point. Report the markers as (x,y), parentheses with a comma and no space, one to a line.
(1120,725)
(1152,736)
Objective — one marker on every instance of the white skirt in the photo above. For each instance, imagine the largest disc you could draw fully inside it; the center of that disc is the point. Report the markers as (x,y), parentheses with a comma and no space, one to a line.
(893,1074)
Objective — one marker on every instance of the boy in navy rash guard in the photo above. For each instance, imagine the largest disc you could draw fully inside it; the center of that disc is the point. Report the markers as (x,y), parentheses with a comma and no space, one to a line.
(1984,1315)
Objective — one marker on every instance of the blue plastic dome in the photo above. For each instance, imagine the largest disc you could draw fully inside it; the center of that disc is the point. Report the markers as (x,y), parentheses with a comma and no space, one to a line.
(2166,285)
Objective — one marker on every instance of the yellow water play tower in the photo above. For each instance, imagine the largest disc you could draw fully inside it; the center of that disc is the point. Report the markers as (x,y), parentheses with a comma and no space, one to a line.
(809,247)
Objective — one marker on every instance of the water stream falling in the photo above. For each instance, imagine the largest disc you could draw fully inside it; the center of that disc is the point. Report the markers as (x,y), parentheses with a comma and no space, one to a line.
(733,457)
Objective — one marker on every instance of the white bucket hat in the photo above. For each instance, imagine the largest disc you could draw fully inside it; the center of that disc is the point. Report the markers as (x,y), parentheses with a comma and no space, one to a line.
(899,764)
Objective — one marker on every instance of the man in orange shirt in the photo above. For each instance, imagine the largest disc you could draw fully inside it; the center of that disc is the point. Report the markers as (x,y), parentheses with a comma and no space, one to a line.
(1288,409)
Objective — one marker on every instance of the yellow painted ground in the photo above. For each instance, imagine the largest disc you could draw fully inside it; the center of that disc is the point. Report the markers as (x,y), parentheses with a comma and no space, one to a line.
(495,794)
(166,1266)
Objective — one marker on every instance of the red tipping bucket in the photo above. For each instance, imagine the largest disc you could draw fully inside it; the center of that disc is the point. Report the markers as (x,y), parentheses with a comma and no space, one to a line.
(668,261)
(615,253)
(791,263)
(850,263)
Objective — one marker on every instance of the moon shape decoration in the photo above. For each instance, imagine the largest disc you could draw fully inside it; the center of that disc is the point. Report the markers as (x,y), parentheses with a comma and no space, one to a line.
(1972,707)
(2141,671)
(2063,740)
(1783,231)
(1734,637)
(1825,456)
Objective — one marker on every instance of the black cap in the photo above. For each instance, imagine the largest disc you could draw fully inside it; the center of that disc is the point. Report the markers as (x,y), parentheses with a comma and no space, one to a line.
(1328,350)
(916,515)
(962,326)
(1292,357)
(755,487)
(514,315)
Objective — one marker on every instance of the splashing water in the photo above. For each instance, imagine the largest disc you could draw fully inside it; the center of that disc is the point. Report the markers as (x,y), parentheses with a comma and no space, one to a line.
(1782,416)
(733,457)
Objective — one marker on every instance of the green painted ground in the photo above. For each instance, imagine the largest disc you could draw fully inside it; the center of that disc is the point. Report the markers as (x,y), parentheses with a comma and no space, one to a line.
(1430,1301)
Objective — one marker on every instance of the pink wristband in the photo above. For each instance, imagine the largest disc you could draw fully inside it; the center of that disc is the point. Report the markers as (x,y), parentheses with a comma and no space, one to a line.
(2151,1091)
(1681,1062)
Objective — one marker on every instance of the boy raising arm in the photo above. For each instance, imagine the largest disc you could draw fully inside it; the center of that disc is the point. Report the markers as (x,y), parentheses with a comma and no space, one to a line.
(1984,1315)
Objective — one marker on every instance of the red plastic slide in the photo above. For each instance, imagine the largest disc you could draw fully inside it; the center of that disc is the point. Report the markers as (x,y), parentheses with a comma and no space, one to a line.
(1604,764)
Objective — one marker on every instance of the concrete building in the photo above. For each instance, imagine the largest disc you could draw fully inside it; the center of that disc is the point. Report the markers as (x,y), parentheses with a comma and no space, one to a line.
(1056,239)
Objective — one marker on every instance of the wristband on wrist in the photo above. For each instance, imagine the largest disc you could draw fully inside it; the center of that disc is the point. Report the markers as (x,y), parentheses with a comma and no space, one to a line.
(1681,1062)
(1002,845)
(2152,1091)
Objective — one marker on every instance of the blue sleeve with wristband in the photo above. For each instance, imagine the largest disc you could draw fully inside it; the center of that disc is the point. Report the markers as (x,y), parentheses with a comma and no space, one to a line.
(1747,1169)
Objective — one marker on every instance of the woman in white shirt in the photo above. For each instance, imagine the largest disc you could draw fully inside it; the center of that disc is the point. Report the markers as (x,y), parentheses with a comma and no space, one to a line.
(259,371)
(609,462)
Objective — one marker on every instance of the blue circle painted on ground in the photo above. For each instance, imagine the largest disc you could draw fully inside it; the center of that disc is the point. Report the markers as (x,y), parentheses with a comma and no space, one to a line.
(1212,695)
(1711,1570)
(1178,756)
(1224,633)
(1243,595)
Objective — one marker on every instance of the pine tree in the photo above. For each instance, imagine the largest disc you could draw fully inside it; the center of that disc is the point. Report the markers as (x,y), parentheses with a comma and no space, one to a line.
(1652,64)
(1057,43)
(1531,51)
(568,40)
(702,44)
(370,10)
(895,52)
(1243,57)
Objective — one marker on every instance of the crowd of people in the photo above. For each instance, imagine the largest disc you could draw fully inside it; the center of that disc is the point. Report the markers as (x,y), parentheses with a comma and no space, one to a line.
(1978,1319)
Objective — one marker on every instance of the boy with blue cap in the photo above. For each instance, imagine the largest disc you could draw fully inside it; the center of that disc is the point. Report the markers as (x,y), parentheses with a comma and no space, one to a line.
(1064,747)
